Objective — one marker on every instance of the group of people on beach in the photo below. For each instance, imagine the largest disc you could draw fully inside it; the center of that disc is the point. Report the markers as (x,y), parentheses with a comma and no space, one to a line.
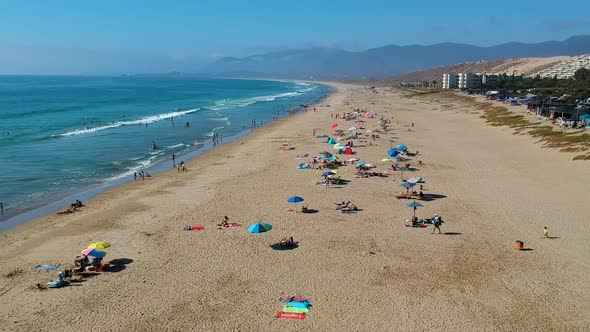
(141,174)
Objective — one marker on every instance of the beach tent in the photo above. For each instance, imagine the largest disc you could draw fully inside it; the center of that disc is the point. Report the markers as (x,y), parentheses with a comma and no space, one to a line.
(585,118)
(402,147)
(331,141)
(392,153)
(259,227)
(348,151)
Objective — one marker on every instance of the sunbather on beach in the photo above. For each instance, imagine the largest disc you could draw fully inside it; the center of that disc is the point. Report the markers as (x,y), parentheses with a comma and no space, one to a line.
(350,207)
(69,210)
(287,243)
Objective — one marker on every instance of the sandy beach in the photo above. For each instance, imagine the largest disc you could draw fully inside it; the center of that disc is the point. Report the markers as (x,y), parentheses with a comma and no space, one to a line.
(363,272)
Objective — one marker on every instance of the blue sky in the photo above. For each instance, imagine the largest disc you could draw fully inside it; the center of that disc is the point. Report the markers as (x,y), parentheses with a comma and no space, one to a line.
(73,37)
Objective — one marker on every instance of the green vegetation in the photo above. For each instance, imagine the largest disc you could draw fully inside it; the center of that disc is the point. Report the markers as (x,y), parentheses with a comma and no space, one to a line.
(577,88)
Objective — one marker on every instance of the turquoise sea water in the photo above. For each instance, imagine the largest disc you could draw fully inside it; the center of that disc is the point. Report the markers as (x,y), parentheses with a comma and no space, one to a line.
(64,135)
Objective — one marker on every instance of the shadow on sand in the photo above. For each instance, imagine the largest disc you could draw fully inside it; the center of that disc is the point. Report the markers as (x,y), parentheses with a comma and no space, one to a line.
(277,246)
(118,264)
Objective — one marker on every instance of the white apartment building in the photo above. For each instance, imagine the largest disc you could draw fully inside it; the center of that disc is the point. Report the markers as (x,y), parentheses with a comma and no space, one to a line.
(450,81)
(469,80)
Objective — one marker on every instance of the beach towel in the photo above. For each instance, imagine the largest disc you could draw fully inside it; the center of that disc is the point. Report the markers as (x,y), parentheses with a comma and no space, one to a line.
(419,226)
(349,212)
(293,304)
(230,225)
(194,228)
(46,267)
(291,298)
(290,315)
(296,310)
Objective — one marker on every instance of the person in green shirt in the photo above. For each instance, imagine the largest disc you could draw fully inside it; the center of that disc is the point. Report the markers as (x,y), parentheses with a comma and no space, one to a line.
(546,232)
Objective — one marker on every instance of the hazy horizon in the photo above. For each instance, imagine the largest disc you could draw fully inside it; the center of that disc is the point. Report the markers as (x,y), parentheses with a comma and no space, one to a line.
(73,38)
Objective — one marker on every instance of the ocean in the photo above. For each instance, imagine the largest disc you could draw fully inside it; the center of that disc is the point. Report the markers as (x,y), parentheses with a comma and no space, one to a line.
(66,137)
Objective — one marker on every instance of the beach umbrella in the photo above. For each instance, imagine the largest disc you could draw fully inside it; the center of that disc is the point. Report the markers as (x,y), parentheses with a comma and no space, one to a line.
(386,160)
(402,147)
(353,128)
(93,253)
(361,164)
(407,185)
(401,169)
(295,199)
(331,141)
(329,173)
(334,125)
(414,205)
(99,245)
(326,153)
(259,227)
(332,158)
(392,153)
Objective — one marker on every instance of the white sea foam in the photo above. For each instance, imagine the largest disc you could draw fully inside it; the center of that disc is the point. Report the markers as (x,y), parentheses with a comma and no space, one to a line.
(175,146)
(141,121)
(229,103)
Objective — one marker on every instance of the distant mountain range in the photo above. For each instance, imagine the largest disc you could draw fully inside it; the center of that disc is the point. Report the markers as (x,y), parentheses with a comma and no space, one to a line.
(383,61)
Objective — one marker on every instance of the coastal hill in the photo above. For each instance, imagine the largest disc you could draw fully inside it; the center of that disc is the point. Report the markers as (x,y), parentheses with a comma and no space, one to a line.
(518,66)
(385,61)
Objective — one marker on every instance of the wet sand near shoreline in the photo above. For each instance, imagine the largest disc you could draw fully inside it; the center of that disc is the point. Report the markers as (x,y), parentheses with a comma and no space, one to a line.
(363,272)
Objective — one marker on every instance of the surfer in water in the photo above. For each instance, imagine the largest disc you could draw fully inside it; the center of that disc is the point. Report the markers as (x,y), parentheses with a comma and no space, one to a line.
(154,146)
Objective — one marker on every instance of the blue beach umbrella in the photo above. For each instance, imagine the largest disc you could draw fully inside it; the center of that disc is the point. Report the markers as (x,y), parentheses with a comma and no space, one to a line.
(326,154)
(401,147)
(414,205)
(392,153)
(328,173)
(361,164)
(295,199)
(331,141)
(408,185)
(401,169)
(259,227)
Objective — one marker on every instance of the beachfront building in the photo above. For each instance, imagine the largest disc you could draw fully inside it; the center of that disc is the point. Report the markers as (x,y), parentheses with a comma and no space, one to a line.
(490,80)
(469,80)
(450,81)
(566,69)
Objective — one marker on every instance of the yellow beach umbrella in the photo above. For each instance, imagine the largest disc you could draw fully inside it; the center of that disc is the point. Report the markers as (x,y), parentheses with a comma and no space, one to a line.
(99,245)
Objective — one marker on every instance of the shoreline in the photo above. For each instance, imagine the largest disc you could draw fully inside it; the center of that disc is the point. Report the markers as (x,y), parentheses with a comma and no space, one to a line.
(45,210)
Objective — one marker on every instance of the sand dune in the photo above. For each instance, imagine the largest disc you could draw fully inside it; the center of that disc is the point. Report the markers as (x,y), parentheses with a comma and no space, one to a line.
(364,272)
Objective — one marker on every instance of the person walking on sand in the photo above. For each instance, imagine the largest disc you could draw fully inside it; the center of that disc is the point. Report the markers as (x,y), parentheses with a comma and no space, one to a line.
(134,176)
(173,160)
(546,232)
(437,222)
